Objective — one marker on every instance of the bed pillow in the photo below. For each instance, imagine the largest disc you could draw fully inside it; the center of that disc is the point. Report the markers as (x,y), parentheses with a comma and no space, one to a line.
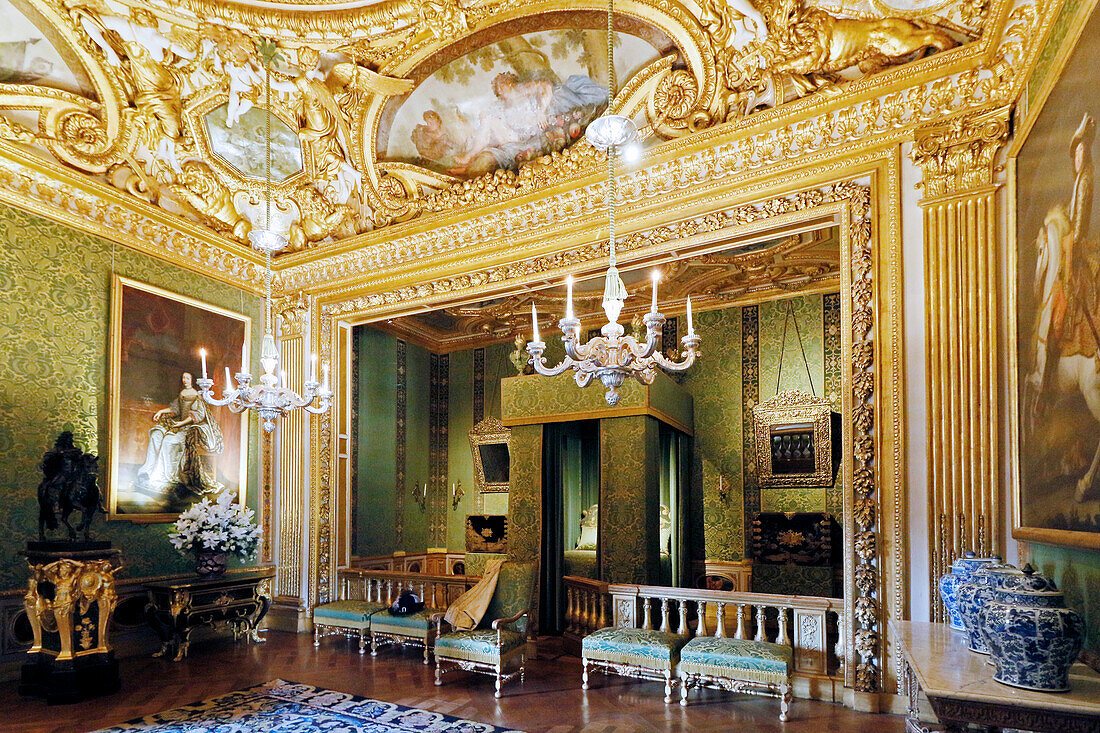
(589,528)
(666,531)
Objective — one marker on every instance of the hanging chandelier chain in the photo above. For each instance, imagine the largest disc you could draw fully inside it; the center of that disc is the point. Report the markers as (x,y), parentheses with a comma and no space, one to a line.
(269,321)
(612,184)
(267,143)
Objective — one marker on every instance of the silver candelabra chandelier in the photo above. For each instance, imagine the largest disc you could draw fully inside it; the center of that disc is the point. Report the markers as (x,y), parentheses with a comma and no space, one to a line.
(271,399)
(612,356)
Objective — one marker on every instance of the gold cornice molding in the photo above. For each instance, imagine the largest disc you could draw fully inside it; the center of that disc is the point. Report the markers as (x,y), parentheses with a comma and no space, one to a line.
(291,310)
(43,189)
(956,156)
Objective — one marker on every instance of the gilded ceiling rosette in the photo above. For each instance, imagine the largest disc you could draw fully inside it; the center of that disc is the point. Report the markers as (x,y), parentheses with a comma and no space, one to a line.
(386,112)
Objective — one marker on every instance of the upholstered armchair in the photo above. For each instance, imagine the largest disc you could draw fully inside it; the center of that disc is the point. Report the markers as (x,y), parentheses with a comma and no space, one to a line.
(498,645)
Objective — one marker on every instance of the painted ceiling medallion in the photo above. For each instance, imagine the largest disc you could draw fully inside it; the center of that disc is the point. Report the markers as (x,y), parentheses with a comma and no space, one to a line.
(393,110)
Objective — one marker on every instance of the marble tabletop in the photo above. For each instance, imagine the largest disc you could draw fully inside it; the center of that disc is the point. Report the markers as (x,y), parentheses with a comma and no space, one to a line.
(945,668)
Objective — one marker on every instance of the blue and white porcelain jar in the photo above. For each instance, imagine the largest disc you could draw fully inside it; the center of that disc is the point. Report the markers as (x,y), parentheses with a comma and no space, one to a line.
(975,593)
(961,570)
(1032,636)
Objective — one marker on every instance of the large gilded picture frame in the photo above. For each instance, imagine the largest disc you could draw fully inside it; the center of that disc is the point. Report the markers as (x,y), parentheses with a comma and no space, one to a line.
(168,448)
(1054,285)
(490,443)
(794,421)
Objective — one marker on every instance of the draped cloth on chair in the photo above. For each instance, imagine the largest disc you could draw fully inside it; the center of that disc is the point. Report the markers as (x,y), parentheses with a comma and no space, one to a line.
(468,608)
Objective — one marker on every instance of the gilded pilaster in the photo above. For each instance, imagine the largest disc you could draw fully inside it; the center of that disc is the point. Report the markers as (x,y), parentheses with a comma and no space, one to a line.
(961,294)
(292,450)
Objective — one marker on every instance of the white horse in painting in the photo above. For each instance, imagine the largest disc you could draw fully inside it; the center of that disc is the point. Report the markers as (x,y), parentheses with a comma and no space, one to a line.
(1071,374)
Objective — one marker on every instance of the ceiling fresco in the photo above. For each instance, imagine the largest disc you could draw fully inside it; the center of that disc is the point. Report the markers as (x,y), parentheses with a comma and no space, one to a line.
(386,112)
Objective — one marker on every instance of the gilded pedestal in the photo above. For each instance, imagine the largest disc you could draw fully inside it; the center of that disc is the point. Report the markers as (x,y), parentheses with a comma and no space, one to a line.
(69,601)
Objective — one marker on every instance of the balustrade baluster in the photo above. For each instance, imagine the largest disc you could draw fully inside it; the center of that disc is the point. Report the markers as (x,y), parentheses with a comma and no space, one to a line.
(740,623)
(589,612)
(782,638)
(664,614)
(701,628)
(683,630)
(646,622)
(570,619)
(761,617)
(603,612)
(720,632)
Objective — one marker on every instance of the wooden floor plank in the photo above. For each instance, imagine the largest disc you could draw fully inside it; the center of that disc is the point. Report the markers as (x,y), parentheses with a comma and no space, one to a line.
(550,701)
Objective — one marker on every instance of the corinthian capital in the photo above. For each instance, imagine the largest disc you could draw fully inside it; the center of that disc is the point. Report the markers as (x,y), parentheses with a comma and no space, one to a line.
(957,155)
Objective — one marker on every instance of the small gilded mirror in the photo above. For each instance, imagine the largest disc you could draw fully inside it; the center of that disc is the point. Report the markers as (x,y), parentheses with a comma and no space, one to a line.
(794,440)
(492,462)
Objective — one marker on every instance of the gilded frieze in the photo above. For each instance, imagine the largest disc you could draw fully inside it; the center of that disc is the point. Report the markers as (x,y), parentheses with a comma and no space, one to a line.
(173,82)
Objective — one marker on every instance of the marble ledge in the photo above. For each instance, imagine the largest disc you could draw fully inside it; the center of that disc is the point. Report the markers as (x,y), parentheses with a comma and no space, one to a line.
(946,668)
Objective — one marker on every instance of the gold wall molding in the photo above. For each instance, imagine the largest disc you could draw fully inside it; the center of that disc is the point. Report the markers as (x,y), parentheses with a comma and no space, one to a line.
(293,311)
(873,585)
(956,160)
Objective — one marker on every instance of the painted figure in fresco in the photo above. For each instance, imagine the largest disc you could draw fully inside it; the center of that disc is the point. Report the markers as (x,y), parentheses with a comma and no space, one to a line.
(1067,327)
(20,64)
(174,461)
(530,117)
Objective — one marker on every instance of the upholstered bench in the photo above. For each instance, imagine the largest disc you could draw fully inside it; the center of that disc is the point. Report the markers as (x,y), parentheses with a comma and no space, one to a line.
(737,665)
(629,652)
(346,618)
(415,629)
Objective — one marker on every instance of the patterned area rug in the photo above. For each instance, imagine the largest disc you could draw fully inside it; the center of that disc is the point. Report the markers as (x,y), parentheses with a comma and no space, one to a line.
(290,707)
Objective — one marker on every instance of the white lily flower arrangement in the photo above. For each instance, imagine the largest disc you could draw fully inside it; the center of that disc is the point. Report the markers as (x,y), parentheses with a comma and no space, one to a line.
(222,525)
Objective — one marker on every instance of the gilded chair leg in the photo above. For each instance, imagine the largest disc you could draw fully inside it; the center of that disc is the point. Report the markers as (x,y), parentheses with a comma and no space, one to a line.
(668,686)
(683,691)
(584,674)
(784,702)
(497,693)
(438,673)
(316,636)
(373,645)
(362,642)
(425,652)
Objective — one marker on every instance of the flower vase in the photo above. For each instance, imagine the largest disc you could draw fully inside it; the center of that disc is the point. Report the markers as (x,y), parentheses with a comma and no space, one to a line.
(210,564)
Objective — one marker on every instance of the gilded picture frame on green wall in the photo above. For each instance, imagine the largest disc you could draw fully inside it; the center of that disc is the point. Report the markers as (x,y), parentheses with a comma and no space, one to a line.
(168,448)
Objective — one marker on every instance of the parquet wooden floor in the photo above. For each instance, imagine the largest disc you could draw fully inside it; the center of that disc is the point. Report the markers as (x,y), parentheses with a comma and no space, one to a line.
(550,700)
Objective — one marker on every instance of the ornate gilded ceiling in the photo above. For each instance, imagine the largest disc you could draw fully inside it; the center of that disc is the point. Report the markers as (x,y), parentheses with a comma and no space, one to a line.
(722,275)
(385,113)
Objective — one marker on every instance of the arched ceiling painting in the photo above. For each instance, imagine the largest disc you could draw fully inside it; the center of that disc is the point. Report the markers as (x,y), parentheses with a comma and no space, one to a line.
(385,112)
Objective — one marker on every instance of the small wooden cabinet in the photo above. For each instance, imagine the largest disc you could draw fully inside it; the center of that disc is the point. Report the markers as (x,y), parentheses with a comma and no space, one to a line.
(237,600)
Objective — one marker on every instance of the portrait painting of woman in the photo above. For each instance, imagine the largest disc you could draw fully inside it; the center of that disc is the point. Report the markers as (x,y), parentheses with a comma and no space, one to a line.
(169,448)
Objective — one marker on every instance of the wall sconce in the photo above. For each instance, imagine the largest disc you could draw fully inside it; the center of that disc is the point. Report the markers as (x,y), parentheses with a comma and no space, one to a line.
(456,494)
(723,490)
(421,496)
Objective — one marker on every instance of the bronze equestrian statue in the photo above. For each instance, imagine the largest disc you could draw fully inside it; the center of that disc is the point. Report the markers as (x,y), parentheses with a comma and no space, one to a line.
(69,483)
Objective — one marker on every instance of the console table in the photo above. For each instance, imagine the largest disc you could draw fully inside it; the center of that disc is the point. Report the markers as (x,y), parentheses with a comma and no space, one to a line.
(237,600)
(961,689)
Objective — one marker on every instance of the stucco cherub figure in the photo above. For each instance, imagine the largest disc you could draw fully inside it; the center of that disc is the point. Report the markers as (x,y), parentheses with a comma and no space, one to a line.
(199,188)
(322,129)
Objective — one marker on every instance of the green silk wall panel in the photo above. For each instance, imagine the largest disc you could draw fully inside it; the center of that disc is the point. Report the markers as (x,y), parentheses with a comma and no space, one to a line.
(415,534)
(1077,573)
(460,461)
(715,386)
(53,325)
(375,505)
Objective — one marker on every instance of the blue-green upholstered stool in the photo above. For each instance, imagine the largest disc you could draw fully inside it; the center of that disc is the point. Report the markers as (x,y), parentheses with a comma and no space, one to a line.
(492,647)
(345,618)
(738,665)
(644,653)
(415,628)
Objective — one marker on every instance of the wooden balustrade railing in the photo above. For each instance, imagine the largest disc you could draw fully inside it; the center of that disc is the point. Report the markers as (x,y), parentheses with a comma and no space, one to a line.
(586,609)
(805,623)
(437,591)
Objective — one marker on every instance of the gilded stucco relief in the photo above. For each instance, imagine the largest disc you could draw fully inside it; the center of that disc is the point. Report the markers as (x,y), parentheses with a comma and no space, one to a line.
(367,124)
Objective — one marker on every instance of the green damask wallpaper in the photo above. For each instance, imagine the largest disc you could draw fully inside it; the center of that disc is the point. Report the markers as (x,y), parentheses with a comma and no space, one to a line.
(53,324)
(525,494)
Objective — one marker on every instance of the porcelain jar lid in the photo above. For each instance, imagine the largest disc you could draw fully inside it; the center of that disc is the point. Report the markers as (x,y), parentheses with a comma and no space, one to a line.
(970,561)
(1029,587)
(995,574)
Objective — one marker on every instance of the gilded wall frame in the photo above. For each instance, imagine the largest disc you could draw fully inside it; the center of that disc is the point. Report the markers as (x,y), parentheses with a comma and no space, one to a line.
(155,337)
(789,408)
(1052,426)
(484,436)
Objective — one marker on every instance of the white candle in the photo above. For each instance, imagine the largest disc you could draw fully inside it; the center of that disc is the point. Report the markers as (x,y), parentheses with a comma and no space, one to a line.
(202,355)
(244,360)
(534,323)
(454,490)
(569,296)
(228,380)
(425,489)
(656,278)
(691,328)
(324,371)
(313,367)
